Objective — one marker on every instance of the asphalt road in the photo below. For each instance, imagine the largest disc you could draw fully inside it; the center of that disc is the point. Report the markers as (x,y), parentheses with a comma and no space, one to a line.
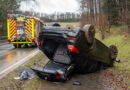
(10,58)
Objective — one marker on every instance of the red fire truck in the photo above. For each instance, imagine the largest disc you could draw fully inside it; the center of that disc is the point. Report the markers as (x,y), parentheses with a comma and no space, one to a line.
(23,30)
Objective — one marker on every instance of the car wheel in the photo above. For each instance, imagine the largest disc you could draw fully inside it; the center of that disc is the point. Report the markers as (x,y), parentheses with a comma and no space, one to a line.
(113,52)
(89,33)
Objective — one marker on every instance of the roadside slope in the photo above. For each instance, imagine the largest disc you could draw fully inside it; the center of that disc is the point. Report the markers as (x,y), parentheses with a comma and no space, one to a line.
(115,78)
(118,77)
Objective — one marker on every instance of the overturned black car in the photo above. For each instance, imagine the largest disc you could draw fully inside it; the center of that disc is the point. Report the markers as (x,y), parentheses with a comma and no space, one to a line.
(72,51)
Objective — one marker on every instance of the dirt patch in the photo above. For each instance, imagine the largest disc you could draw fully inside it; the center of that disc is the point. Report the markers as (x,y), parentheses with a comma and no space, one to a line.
(102,80)
(115,79)
(90,81)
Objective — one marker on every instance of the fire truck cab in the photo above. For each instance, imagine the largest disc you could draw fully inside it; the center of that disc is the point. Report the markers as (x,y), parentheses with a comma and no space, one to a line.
(23,30)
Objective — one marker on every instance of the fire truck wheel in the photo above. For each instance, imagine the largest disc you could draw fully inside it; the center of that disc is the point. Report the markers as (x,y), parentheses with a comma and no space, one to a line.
(26,45)
(17,45)
(113,51)
(35,44)
(89,33)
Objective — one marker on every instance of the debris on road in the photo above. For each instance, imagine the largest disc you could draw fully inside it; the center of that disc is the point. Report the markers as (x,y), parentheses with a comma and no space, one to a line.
(17,78)
(25,74)
(77,83)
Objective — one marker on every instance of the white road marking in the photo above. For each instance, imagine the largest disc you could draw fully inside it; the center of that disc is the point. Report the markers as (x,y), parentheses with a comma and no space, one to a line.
(17,64)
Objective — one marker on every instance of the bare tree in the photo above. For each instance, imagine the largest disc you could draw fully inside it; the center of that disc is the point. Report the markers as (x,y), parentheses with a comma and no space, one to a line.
(124,13)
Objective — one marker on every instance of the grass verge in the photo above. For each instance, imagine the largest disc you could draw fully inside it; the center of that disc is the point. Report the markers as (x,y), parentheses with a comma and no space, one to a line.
(8,82)
(119,76)
(69,23)
(72,25)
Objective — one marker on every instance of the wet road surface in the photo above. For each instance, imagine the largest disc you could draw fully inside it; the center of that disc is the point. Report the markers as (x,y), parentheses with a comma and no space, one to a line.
(9,55)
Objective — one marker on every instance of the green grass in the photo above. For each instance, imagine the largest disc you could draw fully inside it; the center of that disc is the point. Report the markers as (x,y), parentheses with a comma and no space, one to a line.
(123,45)
(121,27)
(120,70)
(69,23)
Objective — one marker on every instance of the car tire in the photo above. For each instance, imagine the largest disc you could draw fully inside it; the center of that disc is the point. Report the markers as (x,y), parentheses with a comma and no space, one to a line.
(113,52)
(34,45)
(89,33)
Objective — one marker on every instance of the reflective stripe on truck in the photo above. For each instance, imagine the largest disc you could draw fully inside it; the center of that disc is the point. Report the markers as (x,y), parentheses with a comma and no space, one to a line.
(11,29)
(29,30)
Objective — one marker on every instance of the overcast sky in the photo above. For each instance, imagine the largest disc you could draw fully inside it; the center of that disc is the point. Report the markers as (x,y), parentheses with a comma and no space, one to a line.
(51,6)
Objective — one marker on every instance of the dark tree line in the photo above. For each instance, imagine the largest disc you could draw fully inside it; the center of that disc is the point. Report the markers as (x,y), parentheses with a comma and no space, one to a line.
(12,7)
(61,17)
(104,13)
(6,6)
(9,7)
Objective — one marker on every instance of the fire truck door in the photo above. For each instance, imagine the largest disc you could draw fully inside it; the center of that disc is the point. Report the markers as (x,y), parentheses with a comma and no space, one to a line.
(29,30)
(11,29)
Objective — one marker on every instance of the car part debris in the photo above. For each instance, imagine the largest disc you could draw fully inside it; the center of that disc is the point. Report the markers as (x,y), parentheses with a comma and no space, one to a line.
(17,78)
(77,83)
(72,50)
(26,74)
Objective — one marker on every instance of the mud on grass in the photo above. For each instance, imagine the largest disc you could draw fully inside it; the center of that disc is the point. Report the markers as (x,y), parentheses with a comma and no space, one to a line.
(8,82)
(118,77)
